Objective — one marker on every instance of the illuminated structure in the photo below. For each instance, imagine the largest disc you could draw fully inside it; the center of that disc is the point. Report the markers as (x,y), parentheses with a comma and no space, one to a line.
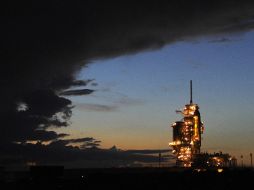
(214,160)
(187,134)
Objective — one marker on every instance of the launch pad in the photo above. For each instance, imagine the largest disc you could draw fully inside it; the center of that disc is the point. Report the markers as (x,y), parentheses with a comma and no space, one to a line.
(187,134)
(186,142)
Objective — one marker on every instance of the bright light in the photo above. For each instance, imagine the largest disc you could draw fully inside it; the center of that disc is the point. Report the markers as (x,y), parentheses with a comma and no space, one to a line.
(175,143)
(219,170)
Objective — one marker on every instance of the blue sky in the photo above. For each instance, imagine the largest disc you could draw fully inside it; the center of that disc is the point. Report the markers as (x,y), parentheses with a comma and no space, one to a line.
(137,95)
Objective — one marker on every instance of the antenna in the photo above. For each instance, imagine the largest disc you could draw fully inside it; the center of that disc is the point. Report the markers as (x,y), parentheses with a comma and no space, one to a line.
(190,91)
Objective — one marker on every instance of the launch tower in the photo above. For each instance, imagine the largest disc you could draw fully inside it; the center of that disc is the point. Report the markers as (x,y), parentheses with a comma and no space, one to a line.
(187,134)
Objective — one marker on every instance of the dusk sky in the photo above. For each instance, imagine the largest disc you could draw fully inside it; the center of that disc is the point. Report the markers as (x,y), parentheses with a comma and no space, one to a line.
(137,95)
(81,77)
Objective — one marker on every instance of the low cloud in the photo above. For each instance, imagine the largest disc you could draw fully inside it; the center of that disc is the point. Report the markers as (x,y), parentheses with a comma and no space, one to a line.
(148,151)
(221,40)
(82,82)
(76,92)
(59,153)
(115,105)
(96,107)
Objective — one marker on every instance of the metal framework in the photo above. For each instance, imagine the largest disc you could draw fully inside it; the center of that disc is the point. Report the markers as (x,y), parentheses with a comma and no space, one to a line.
(187,134)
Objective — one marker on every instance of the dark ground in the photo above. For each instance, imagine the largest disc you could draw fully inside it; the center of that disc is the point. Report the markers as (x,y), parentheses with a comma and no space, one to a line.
(130,178)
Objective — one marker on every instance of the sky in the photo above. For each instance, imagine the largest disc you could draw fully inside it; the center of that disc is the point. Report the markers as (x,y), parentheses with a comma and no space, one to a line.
(136,95)
(79,77)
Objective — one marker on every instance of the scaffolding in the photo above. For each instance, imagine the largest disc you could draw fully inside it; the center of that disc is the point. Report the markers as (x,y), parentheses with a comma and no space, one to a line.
(187,134)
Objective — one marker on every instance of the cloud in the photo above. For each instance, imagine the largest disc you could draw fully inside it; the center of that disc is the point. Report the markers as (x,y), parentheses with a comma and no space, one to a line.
(82,143)
(147,151)
(96,107)
(82,82)
(61,135)
(85,139)
(44,45)
(42,135)
(242,25)
(94,84)
(127,101)
(58,153)
(76,92)
(162,23)
(221,40)
(116,104)
(44,109)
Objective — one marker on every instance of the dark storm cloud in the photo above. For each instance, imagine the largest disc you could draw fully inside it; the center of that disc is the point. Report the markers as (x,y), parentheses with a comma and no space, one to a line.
(44,45)
(45,103)
(76,92)
(128,28)
(43,135)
